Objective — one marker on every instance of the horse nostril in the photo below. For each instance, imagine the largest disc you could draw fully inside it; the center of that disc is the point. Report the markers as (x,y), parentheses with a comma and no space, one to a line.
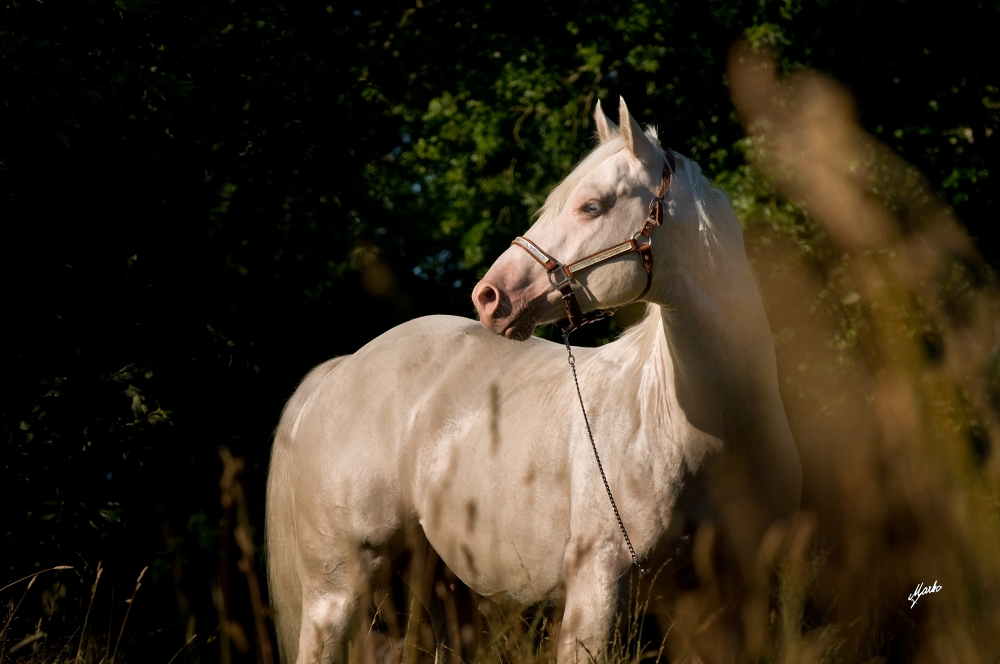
(485,297)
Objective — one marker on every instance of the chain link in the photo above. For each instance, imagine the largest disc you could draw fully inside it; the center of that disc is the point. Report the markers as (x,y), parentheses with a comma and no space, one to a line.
(621,526)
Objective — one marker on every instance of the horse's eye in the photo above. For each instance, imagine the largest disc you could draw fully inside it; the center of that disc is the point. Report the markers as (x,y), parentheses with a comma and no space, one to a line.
(593,208)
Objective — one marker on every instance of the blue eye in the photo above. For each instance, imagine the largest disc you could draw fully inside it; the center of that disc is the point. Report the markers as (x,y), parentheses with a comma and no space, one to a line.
(592,208)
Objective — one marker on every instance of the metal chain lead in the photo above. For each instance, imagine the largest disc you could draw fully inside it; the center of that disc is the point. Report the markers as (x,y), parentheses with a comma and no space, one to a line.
(600,466)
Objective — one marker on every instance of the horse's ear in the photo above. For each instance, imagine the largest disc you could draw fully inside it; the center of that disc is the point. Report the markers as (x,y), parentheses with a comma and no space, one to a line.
(636,140)
(606,129)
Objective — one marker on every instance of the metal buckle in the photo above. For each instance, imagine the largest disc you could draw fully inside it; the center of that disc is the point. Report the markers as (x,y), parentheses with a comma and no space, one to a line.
(559,271)
(651,215)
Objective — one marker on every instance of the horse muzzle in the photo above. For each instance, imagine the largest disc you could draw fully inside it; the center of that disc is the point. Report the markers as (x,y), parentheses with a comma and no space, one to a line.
(514,316)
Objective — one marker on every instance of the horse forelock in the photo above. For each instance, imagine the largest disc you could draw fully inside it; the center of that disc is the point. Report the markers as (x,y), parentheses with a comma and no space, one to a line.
(557,198)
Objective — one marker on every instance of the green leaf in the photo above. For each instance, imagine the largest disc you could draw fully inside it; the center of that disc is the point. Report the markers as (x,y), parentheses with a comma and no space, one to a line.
(113,515)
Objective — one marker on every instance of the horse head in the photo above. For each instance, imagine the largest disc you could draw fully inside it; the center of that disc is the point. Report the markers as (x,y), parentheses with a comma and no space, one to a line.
(602,204)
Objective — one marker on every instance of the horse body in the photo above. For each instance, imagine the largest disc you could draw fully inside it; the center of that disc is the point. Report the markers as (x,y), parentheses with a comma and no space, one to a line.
(478,437)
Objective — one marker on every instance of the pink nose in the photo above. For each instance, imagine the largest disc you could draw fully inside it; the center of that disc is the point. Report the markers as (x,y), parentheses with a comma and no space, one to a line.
(488,299)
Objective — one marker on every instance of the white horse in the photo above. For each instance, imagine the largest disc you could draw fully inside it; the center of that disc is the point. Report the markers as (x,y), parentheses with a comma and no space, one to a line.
(474,430)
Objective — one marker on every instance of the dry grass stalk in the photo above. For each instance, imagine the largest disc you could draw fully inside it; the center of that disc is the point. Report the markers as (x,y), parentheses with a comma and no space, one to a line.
(12,612)
(83,631)
(131,601)
(234,498)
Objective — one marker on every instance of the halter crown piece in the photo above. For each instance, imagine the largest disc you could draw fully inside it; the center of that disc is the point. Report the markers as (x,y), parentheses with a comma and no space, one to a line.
(563,274)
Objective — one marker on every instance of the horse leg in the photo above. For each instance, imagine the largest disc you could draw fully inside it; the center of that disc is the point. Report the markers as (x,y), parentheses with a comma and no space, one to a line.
(332,586)
(330,592)
(592,600)
(325,616)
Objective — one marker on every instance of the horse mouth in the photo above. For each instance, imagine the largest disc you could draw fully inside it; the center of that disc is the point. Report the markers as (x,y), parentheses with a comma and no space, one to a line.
(522,326)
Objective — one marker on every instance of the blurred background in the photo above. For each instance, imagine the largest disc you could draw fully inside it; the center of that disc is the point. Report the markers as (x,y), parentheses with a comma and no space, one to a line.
(200,202)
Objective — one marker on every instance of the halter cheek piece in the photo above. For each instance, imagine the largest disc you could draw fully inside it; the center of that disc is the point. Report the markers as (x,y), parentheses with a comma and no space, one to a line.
(562,274)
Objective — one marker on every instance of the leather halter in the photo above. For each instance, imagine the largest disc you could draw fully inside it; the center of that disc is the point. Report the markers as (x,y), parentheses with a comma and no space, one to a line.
(565,273)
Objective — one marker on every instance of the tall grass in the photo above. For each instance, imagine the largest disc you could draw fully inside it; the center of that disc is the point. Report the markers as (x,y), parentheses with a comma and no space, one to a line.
(887,350)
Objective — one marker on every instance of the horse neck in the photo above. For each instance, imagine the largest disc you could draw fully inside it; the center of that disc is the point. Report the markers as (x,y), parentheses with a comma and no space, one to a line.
(721,353)
(723,377)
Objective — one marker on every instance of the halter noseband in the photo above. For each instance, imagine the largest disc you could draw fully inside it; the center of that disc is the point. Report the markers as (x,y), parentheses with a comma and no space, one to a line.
(564,273)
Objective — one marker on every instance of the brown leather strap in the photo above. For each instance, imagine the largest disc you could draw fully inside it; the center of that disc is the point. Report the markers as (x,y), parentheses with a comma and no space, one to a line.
(646,256)
(668,174)
(536,252)
(573,312)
